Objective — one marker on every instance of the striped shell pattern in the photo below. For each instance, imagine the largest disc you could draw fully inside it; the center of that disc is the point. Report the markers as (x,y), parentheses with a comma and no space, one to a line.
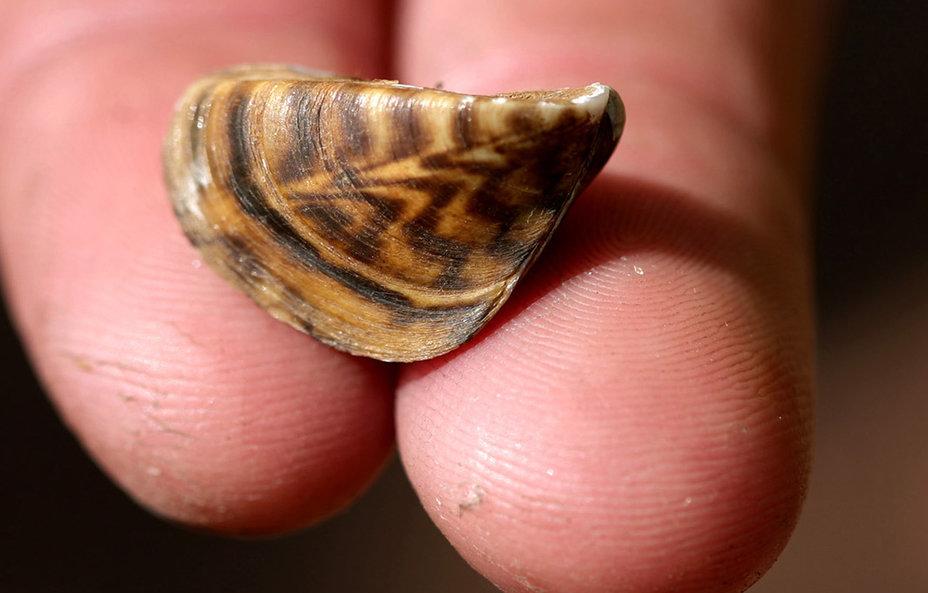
(385,220)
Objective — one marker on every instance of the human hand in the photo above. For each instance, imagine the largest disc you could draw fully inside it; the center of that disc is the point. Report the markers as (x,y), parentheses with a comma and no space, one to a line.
(636,418)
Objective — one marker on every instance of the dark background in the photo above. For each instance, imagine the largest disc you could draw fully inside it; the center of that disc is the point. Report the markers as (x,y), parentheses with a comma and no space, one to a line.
(65,527)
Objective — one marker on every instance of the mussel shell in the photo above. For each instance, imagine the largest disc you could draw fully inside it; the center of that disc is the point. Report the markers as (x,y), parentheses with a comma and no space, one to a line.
(386,220)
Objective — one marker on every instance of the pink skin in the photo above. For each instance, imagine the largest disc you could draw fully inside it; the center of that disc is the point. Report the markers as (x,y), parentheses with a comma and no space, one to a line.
(636,419)
(202,407)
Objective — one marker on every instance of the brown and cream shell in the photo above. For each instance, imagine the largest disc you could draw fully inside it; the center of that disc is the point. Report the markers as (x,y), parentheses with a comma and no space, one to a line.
(386,220)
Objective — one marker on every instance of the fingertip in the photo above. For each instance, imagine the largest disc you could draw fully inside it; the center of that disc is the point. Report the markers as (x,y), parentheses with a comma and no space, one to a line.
(600,488)
(637,418)
(212,415)
(202,407)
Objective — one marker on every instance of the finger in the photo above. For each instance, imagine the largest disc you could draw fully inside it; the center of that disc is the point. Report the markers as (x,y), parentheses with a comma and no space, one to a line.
(195,401)
(637,418)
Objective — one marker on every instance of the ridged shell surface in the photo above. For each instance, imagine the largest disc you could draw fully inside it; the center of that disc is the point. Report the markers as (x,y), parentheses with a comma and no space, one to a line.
(386,220)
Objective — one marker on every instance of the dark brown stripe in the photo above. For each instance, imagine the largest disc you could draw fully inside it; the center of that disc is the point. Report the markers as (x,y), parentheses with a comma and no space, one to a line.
(364,245)
(407,134)
(249,197)
(352,116)
(304,150)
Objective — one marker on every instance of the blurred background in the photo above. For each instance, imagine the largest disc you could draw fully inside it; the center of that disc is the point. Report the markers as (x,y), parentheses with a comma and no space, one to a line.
(65,527)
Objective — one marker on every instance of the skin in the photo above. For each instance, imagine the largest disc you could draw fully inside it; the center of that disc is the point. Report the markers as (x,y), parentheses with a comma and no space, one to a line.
(637,418)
